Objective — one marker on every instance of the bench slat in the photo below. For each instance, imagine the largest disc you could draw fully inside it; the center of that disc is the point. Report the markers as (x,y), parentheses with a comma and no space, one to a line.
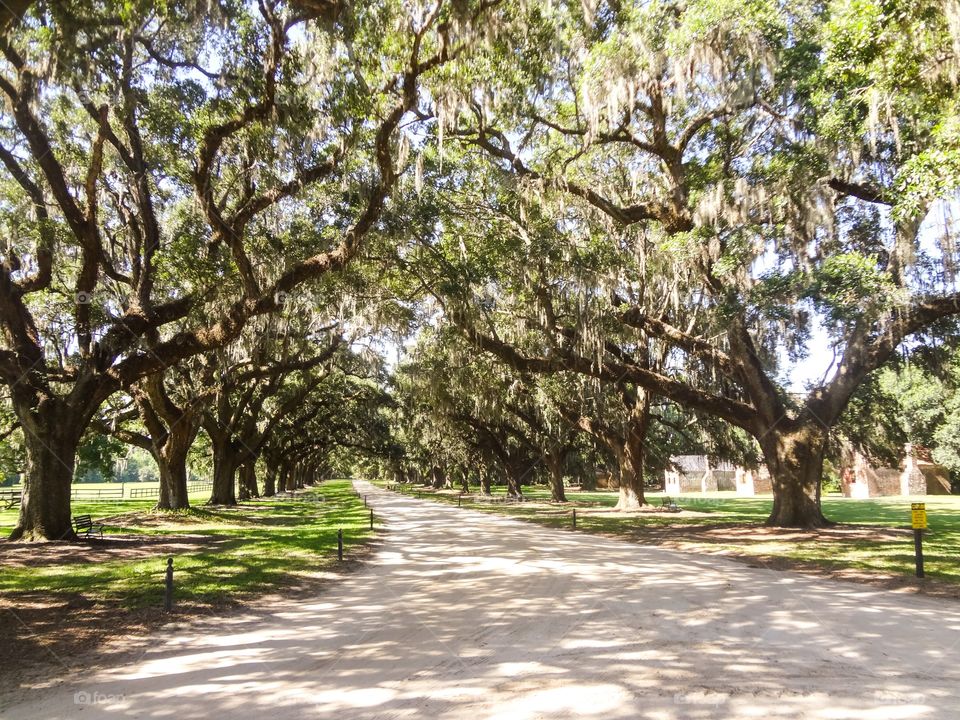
(85,524)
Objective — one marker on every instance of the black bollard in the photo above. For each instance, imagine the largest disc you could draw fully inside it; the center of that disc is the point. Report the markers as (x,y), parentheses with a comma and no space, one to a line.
(371,518)
(364,500)
(168,594)
(340,545)
(574,518)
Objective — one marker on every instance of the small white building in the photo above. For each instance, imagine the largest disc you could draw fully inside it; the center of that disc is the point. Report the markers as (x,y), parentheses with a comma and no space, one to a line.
(696,473)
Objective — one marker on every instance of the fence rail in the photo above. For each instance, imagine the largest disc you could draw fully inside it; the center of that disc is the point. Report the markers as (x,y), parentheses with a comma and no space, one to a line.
(98,494)
(11,498)
(123,491)
(144,492)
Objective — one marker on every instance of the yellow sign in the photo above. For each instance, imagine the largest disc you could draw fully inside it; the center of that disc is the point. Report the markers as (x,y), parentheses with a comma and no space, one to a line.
(918,516)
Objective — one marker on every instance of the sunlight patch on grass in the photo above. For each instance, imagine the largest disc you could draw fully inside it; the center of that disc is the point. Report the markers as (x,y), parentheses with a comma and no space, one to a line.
(264,543)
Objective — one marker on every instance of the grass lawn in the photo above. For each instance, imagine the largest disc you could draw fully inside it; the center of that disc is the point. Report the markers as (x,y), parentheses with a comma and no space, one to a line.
(220,554)
(874,536)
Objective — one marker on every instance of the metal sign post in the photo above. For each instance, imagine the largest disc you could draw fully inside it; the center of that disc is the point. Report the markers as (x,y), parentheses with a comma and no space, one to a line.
(168,587)
(918,518)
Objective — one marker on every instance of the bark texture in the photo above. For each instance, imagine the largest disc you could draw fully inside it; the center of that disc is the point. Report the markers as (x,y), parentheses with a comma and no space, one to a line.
(795,460)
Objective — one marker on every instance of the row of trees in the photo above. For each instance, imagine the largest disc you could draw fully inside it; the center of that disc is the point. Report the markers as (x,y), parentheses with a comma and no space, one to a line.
(172,176)
(638,213)
(467,418)
(676,200)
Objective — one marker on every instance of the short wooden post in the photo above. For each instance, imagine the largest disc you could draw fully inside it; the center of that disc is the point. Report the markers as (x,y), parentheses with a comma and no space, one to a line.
(574,518)
(340,545)
(371,518)
(364,500)
(168,594)
(459,498)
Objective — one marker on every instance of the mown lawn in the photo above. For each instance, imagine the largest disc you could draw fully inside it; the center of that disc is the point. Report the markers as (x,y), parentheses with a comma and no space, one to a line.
(239,551)
(873,536)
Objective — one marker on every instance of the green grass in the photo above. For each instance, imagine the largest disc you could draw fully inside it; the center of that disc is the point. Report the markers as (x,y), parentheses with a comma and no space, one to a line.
(873,536)
(258,546)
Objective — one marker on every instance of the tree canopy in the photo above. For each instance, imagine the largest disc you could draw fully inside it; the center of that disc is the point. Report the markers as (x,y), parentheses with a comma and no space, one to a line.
(598,233)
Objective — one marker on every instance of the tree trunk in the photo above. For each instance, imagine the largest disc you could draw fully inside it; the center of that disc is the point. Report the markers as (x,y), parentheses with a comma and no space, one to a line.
(631,459)
(554,462)
(484,481)
(270,481)
(437,478)
(514,480)
(224,472)
(248,481)
(172,462)
(173,482)
(50,437)
(163,501)
(795,460)
(243,489)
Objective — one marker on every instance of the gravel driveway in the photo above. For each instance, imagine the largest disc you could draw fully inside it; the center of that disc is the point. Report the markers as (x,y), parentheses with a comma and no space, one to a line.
(466,615)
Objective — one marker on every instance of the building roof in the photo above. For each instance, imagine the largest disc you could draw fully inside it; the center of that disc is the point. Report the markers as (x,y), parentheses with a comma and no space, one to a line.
(690,464)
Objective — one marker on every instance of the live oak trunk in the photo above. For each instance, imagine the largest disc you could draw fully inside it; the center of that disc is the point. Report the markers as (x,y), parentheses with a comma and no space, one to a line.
(51,436)
(243,492)
(172,462)
(484,481)
(632,456)
(270,482)
(438,478)
(163,501)
(224,474)
(795,460)
(554,462)
(248,481)
(173,482)
(514,479)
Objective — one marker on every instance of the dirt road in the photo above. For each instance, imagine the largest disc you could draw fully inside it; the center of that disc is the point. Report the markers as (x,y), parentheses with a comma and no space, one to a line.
(466,615)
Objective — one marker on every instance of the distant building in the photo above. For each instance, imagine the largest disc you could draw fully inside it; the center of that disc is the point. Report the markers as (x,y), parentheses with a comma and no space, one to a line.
(751,482)
(696,473)
(917,475)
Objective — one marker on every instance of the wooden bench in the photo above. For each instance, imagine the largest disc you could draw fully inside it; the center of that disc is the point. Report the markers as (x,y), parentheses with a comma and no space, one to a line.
(86,527)
(668,504)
